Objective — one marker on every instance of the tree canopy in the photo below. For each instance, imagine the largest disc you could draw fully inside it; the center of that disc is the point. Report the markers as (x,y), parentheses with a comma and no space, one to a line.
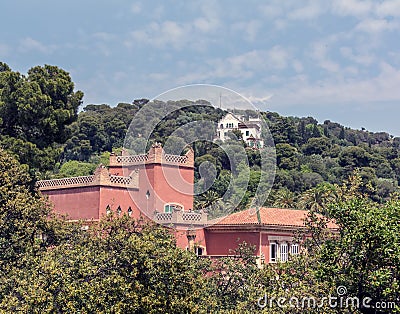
(35,110)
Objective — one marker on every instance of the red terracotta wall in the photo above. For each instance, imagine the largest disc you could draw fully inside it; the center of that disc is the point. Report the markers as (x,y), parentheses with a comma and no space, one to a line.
(265,246)
(173,185)
(117,196)
(166,184)
(182,241)
(76,203)
(116,171)
(221,243)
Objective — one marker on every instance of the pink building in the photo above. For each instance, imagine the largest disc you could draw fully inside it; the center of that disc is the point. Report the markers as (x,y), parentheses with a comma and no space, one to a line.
(159,186)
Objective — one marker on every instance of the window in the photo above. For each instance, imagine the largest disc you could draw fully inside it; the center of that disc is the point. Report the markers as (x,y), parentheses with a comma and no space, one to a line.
(284,252)
(273,252)
(119,210)
(294,249)
(169,208)
(129,211)
(280,251)
(247,133)
(108,210)
(199,251)
(221,126)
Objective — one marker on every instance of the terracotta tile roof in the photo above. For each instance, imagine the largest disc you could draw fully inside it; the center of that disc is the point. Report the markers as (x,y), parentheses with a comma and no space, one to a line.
(268,216)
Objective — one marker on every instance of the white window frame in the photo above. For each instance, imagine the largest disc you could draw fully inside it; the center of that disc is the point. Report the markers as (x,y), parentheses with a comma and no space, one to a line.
(294,249)
(202,248)
(171,207)
(275,245)
(284,252)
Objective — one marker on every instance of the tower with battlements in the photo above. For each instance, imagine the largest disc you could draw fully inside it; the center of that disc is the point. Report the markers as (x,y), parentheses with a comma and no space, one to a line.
(154,185)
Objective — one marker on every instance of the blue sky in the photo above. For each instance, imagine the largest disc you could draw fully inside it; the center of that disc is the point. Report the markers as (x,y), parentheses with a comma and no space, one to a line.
(337,60)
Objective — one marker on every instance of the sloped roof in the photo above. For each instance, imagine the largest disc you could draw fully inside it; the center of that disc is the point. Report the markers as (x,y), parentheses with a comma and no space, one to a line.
(268,216)
(230,115)
(248,125)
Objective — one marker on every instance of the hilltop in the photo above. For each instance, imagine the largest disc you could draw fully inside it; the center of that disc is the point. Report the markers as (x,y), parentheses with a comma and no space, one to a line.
(308,153)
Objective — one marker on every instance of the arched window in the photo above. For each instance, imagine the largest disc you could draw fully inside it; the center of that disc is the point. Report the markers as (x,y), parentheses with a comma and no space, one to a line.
(119,210)
(170,207)
(129,211)
(108,210)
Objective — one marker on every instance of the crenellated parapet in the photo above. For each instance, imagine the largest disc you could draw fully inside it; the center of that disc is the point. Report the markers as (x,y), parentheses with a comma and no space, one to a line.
(128,160)
(181,218)
(156,155)
(101,177)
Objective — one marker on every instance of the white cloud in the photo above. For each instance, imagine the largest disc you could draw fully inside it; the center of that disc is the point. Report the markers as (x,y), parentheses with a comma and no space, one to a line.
(271,10)
(119,76)
(277,56)
(250,29)
(320,54)
(250,65)
(136,8)
(205,24)
(363,59)
(380,88)
(377,25)
(310,11)
(297,66)
(388,8)
(193,33)
(103,43)
(280,24)
(173,31)
(29,44)
(4,50)
(158,76)
(352,7)
(209,20)
(161,35)
(104,36)
(258,100)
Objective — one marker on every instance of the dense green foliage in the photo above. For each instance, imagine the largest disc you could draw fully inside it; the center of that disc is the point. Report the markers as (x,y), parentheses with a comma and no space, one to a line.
(122,265)
(35,110)
(308,154)
(117,267)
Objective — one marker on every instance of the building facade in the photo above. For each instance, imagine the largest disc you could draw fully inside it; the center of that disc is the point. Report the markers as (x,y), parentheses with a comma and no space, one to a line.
(159,187)
(250,129)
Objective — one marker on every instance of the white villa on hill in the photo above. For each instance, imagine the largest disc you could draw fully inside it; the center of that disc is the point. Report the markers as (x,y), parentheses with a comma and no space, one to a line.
(250,129)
